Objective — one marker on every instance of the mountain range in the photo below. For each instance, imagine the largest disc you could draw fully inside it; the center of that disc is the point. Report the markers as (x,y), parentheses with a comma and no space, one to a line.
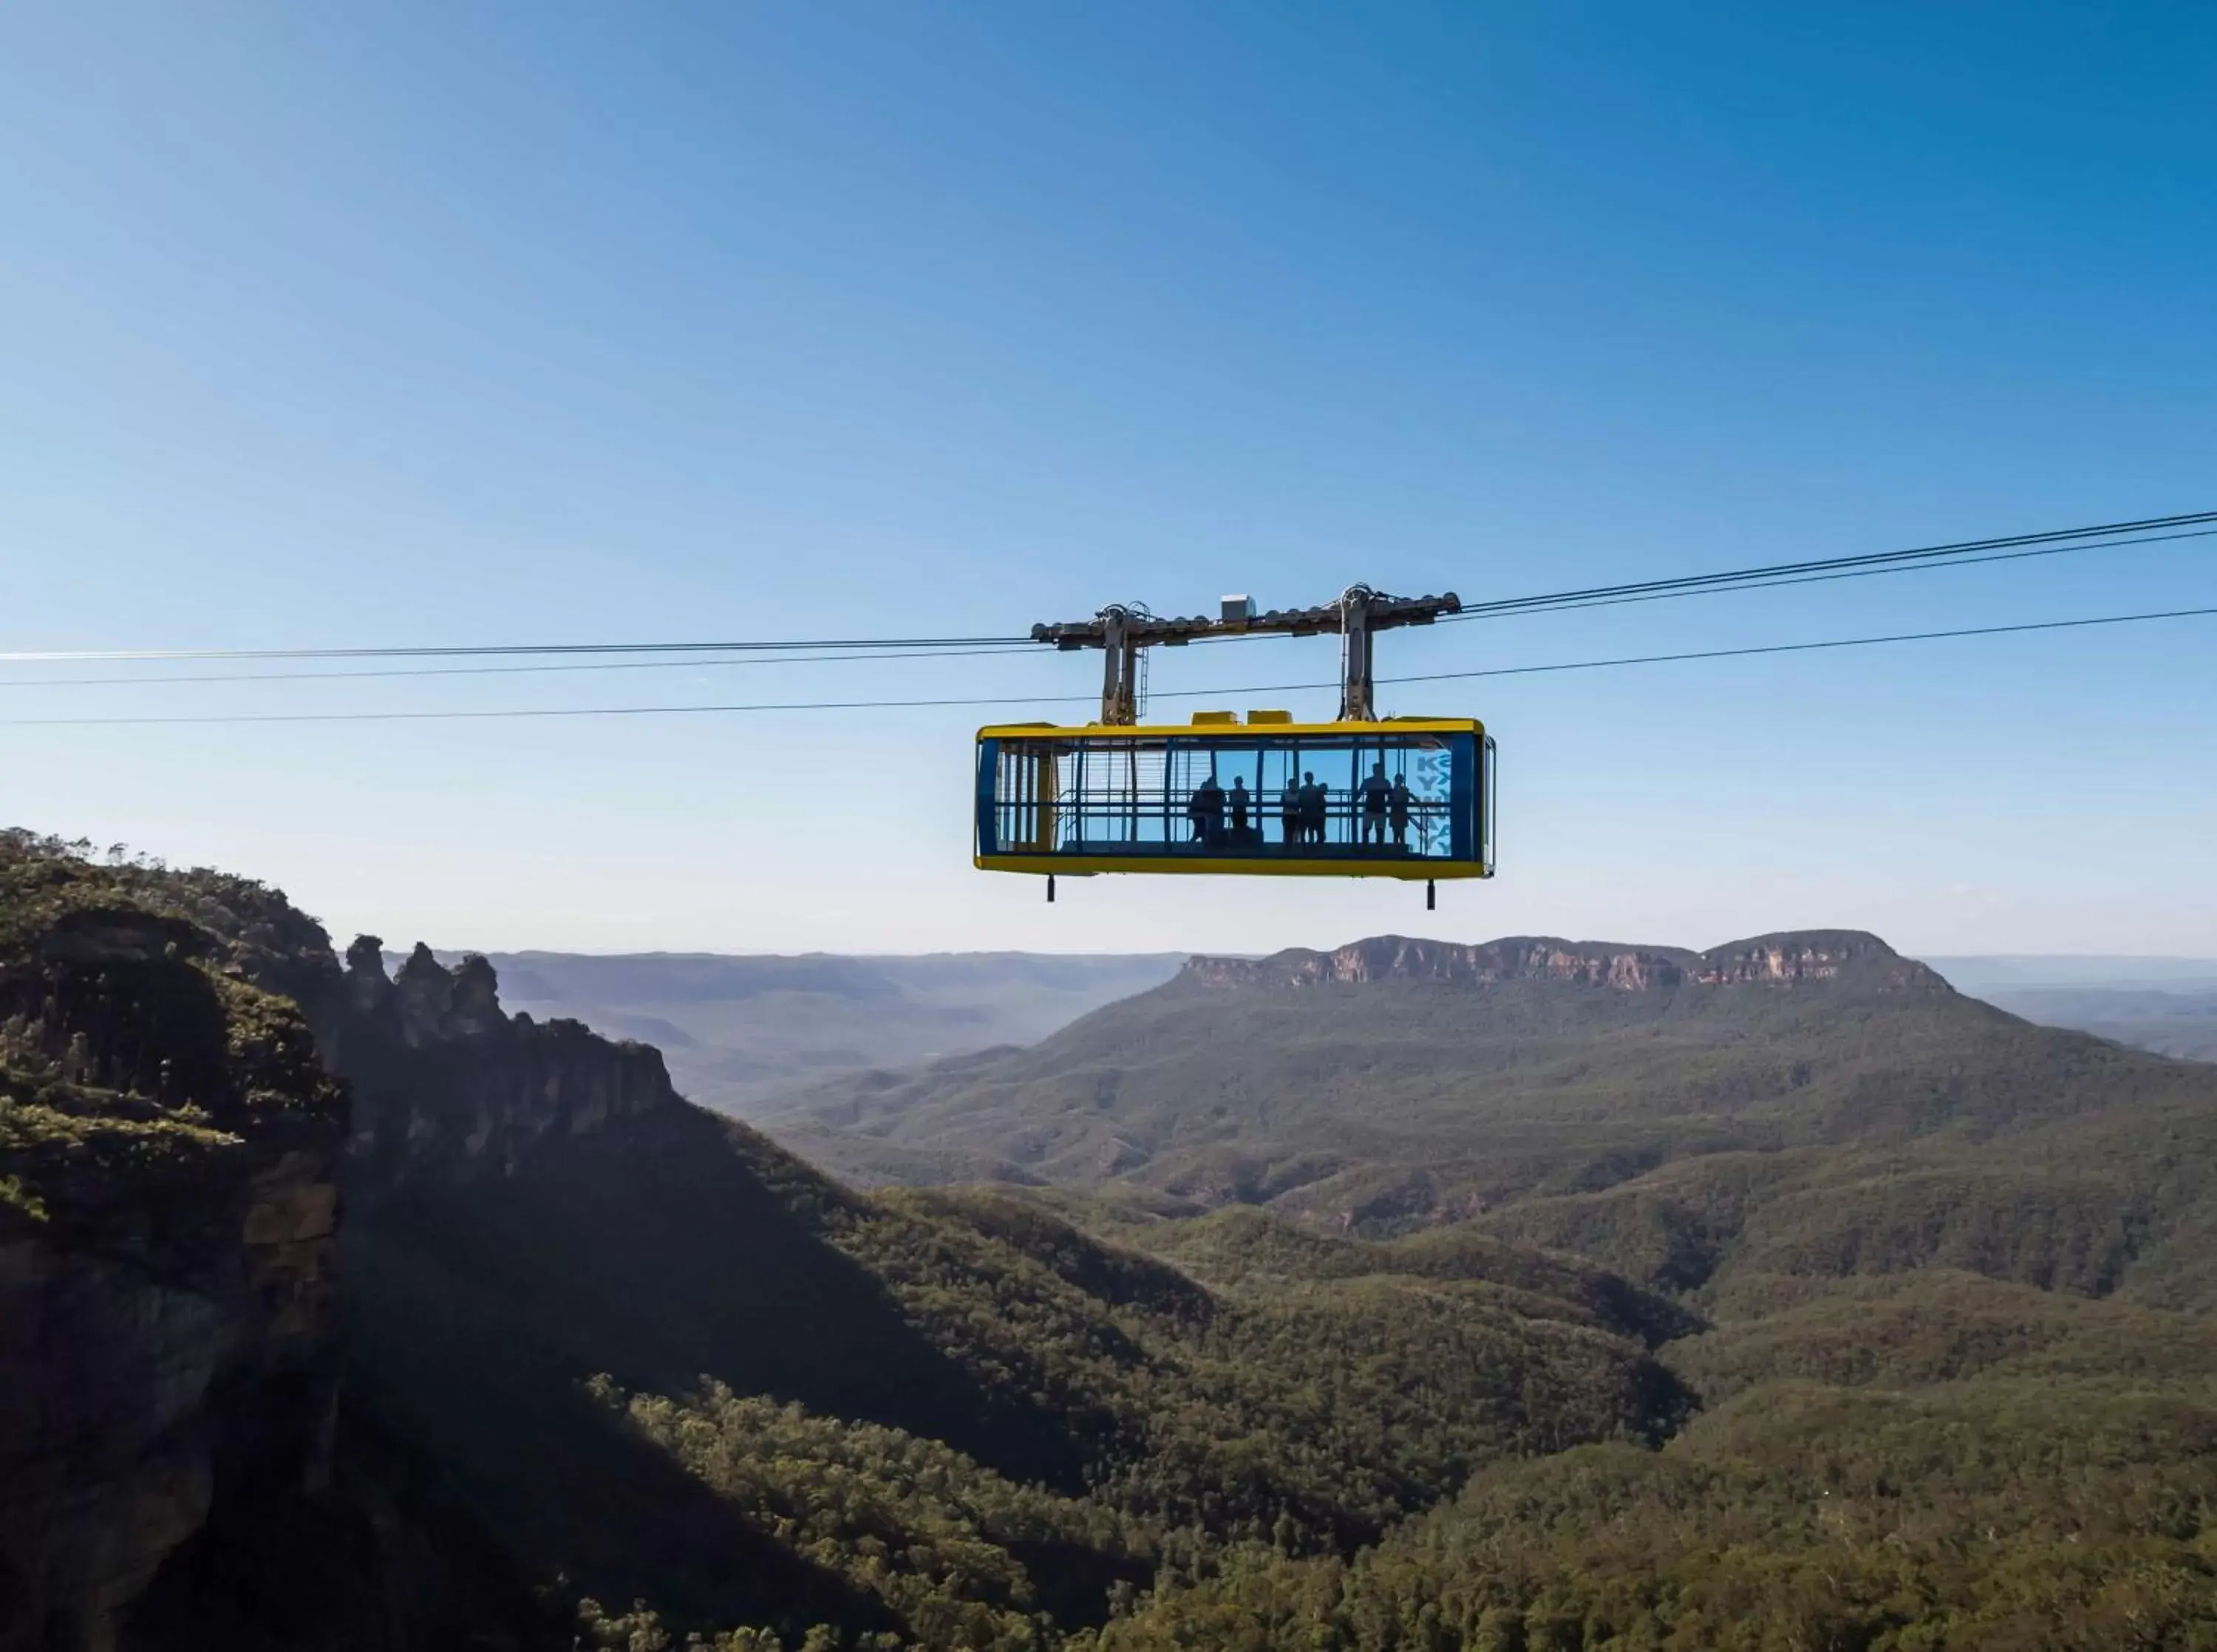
(742,1032)
(1807,1102)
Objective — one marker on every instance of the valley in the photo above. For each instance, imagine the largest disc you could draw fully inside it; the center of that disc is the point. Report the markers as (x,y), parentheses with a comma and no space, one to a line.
(738,1031)
(2168,1005)
(1526,1294)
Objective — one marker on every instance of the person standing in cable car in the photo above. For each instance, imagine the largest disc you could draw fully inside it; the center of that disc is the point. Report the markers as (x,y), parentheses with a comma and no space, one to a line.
(1239,802)
(1399,802)
(1289,810)
(1377,793)
(1207,810)
(1312,809)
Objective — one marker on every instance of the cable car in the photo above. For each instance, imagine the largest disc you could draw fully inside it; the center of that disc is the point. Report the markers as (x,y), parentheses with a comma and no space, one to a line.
(1358,797)
(1409,798)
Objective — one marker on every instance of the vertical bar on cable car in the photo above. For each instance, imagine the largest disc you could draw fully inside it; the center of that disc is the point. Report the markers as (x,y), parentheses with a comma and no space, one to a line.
(1173,788)
(1463,786)
(985,795)
(1051,780)
(1353,778)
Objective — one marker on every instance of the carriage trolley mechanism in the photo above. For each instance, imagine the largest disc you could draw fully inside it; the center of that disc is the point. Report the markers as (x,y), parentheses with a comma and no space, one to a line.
(1359,796)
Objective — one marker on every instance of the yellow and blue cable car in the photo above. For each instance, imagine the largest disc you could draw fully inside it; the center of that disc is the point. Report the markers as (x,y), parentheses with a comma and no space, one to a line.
(1409,798)
(1359,796)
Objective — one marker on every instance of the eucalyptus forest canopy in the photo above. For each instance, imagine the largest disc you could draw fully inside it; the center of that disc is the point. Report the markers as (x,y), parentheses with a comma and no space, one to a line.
(1775,1295)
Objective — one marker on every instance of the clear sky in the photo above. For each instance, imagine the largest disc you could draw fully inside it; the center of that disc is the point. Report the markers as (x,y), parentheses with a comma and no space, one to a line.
(431,323)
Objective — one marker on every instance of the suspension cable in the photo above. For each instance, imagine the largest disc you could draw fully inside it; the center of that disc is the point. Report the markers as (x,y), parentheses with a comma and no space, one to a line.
(1184,693)
(2146,531)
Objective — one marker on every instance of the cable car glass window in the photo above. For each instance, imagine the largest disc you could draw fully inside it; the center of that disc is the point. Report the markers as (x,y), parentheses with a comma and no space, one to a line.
(1242,794)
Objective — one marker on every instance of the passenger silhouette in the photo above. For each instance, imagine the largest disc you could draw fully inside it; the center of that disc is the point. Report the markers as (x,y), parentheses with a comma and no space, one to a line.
(1289,810)
(1240,801)
(1376,791)
(1313,808)
(1399,802)
(1206,812)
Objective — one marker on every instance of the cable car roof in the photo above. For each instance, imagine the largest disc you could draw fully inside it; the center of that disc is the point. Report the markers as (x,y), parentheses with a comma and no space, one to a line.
(1228,725)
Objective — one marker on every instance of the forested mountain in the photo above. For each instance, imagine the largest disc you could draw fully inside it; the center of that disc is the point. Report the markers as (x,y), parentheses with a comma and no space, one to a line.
(1795,1103)
(342,1309)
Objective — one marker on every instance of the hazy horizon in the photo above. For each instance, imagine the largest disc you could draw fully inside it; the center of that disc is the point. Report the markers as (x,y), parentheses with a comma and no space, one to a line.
(1936,960)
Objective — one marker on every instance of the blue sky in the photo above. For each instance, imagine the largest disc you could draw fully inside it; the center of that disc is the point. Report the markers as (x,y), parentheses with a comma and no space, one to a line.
(431,324)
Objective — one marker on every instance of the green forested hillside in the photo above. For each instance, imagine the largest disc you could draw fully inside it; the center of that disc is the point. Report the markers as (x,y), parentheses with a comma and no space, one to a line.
(1936,1461)
(1670,1114)
(931,1415)
(1985,1519)
(1752,1299)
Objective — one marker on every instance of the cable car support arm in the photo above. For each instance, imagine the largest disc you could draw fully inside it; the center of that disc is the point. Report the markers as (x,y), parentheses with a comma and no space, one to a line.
(1120,631)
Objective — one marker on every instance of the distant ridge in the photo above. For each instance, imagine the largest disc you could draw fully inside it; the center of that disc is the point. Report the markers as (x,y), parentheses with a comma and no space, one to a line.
(1783,958)
(1808,1101)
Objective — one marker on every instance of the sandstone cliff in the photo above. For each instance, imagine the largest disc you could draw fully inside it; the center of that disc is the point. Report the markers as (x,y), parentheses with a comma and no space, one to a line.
(168,1148)
(447,1085)
(191,1088)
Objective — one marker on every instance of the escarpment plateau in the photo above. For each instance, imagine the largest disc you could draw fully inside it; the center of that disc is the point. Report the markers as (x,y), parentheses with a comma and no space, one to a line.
(1781,960)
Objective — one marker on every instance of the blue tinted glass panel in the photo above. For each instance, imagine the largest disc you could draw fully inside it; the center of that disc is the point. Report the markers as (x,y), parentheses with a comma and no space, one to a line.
(1244,793)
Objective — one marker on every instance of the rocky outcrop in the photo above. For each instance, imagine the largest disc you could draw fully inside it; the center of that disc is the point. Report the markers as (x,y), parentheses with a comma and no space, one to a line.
(448,1084)
(1799,957)
(188,1079)
(1782,959)
(1396,957)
